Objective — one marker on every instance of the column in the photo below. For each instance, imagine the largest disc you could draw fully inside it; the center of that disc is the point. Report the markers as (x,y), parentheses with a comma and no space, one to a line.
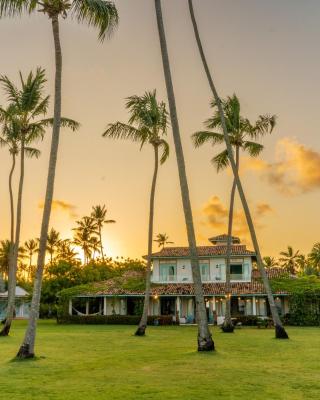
(213,304)
(70,306)
(87,307)
(178,308)
(104,306)
(254,306)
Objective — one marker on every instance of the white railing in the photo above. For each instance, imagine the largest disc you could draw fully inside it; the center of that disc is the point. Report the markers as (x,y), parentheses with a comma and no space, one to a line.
(237,277)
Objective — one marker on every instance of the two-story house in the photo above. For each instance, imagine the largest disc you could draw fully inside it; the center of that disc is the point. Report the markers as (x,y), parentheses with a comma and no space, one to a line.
(172,291)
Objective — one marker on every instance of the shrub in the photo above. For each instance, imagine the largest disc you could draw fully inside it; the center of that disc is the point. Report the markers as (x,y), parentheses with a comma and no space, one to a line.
(113,319)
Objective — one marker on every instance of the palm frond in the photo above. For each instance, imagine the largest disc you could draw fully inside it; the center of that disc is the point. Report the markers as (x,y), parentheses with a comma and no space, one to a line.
(120,130)
(100,14)
(32,152)
(221,160)
(265,124)
(64,123)
(12,8)
(201,137)
(253,148)
(10,89)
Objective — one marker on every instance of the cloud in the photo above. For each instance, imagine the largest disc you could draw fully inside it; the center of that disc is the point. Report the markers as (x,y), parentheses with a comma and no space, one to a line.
(216,216)
(296,170)
(60,205)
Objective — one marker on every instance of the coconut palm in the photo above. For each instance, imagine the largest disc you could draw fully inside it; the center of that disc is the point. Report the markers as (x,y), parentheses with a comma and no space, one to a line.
(65,251)
(53,242)
(242,135)
(314,257)
(279,329)
(87,229)
(31,247)
(99,215)
(289,259)
(148,123)
(270,262)
(27,105)
(205,342)
(162,239)
(100,14)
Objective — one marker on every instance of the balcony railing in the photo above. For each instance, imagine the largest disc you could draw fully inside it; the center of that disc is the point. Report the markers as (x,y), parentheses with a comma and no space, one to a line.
(168,278)
(237,277)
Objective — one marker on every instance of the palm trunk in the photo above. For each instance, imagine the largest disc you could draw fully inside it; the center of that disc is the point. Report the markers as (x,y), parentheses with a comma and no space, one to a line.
(27,347)
(11,200)
(205,342)
(144,318)
(101,246)
(227,326)
(13,258)
(280,332)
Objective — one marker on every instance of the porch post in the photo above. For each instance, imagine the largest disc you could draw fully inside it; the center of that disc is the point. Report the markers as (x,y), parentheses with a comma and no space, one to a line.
(87,307)
(254,306)
(178,306)
(104,305)
(70,306)
(213,303)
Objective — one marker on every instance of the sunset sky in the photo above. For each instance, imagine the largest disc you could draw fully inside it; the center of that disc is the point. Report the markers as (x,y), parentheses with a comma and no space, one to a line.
(264,51)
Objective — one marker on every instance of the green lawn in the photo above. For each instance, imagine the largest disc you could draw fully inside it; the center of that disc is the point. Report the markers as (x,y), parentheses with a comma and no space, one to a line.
(108,362)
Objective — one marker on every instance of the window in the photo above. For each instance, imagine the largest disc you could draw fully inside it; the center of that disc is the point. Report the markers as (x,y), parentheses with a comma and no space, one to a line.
(205,270)
(236,272)
(168,271)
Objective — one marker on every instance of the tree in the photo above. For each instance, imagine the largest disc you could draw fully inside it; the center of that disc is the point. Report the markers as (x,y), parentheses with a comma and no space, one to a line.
(65,252)
(314,257)
(99,215)
(53,241)
(102,15)
(280,332)
(31,247)
(84,233)
(205,342)
(27,104)
(162,239)
(289,259)
(242,135)
(148,123)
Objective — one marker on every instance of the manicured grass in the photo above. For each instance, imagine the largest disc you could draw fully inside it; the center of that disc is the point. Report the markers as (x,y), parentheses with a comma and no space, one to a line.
(108,362)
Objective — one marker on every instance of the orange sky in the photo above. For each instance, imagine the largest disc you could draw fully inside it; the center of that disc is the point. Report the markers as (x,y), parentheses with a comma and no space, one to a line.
(262,51)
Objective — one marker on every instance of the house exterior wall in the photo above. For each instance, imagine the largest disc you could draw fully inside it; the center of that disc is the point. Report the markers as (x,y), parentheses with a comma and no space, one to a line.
(217,269)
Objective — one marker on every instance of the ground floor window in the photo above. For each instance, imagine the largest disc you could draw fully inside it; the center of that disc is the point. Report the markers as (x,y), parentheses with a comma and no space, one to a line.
(134,305)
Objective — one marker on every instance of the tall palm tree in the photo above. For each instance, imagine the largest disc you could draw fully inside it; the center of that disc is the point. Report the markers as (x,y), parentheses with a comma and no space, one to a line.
(162,239)
(289,259)
(27,104)
(314,256)
(242,135)
(148,123)
(31,247)
(99,215)
(102,15)
(87,229)
(53,241)
(280,332)
(205,342)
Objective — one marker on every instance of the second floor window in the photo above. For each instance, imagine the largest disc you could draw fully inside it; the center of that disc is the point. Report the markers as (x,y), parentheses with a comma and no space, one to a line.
(236,272)
(168,272)
(205,270)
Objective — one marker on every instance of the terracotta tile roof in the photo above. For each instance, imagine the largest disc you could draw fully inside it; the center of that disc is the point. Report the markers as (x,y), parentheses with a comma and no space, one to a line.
(203,251)
(272,273)
(223,238)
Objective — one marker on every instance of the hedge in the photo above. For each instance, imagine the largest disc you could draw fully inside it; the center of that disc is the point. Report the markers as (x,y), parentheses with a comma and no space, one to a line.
(114,319)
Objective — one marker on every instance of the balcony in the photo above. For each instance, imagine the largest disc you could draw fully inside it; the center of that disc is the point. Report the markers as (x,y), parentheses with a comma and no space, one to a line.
(237,277)
(168,278)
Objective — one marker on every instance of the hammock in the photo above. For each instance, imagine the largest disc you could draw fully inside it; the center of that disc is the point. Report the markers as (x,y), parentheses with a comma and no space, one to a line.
(82,314)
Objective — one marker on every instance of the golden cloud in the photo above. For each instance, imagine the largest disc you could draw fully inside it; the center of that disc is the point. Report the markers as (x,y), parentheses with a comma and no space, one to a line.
(60,205)
(296,171)
(216,214)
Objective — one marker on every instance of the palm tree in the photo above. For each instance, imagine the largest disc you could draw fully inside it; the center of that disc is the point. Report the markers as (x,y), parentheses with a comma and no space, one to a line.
(102,15)
(314,257)
(240,130)
(205,342)
(66,252)
(162,239)
(31,247)
(53,241)
(87,229)
(148,123)
(289,259)
(27,104)
(270,262)
(280,332)
(99,215)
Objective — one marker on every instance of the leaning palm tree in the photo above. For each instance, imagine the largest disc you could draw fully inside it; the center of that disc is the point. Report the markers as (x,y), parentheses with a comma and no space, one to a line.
(102,15)
(162,239)
(279,329)
(289,259)
(99,215)
(242,135)
(148,123)
(27,105)
(205,342)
